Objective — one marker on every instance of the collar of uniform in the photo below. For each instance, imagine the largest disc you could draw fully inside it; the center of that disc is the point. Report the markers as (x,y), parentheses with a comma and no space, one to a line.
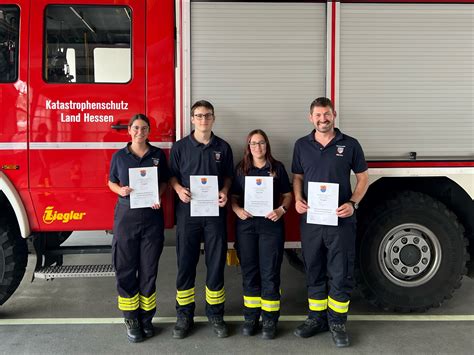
(151,149)
(127,148)
(339,135)
(196,143)
(266,166)
(311,136)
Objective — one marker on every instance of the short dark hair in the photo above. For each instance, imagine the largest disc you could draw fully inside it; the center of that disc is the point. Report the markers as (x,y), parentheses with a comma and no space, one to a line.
(321,102)
(138,116)
(202,103)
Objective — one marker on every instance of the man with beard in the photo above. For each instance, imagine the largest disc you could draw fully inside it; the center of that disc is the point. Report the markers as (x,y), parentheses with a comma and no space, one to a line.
(327,155)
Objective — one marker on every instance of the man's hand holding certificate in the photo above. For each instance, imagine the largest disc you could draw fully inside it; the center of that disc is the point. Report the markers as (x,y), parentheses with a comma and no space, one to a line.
(258,200)
(323,200)
(144,185)
(204,195)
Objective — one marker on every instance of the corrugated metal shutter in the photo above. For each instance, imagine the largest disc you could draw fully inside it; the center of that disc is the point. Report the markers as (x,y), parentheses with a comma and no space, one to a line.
(406,80)
(261,65)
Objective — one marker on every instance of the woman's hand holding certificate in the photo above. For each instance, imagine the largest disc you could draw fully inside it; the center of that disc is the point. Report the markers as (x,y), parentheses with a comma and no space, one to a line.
(258,200)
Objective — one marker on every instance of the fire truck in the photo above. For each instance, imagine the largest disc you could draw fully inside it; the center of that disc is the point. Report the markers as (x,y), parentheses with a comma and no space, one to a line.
(400,73)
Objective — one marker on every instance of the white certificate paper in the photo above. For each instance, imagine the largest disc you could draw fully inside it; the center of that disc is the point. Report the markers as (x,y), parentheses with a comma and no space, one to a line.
(258,197)
(204,195)
(323,200)
(144,185)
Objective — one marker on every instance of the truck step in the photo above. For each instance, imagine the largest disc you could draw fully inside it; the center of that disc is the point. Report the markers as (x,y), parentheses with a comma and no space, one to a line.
(80,249)
(73,271)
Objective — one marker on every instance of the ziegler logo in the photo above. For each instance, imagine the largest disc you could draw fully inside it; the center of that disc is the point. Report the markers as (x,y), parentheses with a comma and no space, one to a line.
(50,215)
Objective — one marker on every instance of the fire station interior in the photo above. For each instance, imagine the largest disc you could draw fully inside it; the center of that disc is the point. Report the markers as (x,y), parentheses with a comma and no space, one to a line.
(71,307)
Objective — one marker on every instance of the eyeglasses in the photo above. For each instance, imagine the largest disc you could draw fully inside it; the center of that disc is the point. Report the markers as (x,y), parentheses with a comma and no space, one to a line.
(141,129)
(254,144)
(206,116)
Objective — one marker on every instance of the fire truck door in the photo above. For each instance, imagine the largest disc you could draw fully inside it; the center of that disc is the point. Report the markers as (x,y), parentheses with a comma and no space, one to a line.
(87,70)
(13,92)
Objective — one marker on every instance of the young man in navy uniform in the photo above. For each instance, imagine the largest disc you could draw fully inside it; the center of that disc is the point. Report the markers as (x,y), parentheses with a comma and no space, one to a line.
(328,155)
(200,153)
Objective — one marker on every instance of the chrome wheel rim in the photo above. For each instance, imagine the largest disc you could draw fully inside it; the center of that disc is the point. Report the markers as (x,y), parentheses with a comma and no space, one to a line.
(409,255)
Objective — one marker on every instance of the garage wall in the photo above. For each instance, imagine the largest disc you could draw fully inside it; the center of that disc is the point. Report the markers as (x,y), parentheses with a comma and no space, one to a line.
(407,78)
(261,65)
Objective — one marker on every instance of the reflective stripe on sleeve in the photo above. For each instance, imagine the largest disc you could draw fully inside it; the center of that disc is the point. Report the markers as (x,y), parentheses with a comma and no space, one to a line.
(317,305)
(339,307)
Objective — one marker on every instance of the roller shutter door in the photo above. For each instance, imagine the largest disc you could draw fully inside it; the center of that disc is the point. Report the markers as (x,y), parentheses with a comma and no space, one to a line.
(261,65)
(406,79)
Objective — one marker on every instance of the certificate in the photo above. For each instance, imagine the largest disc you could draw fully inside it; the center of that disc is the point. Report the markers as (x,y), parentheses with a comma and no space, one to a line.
(258,197)
(144,185)
(323,200)
(204,195)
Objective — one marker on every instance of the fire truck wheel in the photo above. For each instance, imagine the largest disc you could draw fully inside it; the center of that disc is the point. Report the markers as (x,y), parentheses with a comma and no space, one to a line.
(412,254)
(13,259)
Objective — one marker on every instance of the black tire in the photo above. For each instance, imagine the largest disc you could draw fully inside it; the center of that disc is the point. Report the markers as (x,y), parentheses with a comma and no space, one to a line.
(412,253)
(13,260)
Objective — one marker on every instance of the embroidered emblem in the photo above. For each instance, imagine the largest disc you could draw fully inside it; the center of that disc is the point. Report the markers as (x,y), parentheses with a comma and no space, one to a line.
(340,150)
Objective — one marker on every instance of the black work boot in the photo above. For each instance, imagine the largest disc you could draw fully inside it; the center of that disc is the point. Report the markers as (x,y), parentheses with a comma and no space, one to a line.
(134,330)
(339,335)
(219,327)
(148,329)
(250,327)
(182,327)
(310,327)
(269,329)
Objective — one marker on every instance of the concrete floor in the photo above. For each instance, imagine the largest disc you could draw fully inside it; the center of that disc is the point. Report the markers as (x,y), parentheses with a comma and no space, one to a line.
(79,316)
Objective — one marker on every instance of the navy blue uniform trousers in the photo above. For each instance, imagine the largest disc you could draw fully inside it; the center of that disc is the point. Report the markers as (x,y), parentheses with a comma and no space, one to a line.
(136,249)
(260,244)
(190,232)
(328,255)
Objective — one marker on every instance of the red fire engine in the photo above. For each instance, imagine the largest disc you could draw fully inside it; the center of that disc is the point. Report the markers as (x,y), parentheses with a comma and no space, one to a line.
(400,73)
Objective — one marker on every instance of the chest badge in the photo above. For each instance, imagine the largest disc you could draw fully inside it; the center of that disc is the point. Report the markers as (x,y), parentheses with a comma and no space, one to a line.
(340,150)
(155,161)
(217,156)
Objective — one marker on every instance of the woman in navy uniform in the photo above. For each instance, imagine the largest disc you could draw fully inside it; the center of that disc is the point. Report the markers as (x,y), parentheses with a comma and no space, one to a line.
(260,240)
(138,233)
